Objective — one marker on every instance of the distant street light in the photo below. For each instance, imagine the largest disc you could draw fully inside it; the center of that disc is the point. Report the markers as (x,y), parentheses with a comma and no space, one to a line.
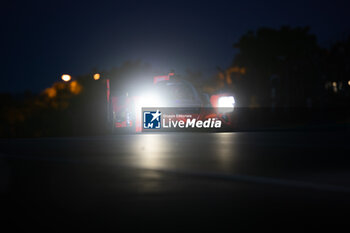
(97,76)
(66,77)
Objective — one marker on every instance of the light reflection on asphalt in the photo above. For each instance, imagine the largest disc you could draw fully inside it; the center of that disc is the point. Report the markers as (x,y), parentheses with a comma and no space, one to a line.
(164,151)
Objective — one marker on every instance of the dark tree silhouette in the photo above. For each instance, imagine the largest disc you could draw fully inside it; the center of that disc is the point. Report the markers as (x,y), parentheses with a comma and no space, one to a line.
(281,67)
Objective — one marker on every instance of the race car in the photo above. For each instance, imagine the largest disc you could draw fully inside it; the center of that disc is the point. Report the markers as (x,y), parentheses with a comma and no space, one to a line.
(168,92)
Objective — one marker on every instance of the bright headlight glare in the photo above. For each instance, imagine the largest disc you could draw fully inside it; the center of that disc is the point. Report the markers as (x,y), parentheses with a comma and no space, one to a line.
(226,102)
(148,101)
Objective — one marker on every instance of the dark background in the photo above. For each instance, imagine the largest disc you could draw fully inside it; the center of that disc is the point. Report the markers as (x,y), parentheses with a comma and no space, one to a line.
(43,39)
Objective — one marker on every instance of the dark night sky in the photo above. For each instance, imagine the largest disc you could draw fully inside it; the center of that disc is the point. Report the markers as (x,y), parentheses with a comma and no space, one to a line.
(42,40)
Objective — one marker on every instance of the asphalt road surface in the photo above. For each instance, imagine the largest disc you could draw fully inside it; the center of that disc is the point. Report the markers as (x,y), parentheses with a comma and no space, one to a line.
(169,181)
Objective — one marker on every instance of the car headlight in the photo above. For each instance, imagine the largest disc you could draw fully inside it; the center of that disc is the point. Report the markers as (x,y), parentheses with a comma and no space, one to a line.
(226,102)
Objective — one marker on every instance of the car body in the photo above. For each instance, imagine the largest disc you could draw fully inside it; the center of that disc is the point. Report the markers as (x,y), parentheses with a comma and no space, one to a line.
(166,92)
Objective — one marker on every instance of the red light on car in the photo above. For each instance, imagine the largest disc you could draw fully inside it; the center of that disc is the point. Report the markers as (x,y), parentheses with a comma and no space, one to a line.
(157,79)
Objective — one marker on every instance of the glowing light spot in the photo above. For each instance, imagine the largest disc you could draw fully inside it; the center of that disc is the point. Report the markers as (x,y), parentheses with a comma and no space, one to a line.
(97,76)
(66,77)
